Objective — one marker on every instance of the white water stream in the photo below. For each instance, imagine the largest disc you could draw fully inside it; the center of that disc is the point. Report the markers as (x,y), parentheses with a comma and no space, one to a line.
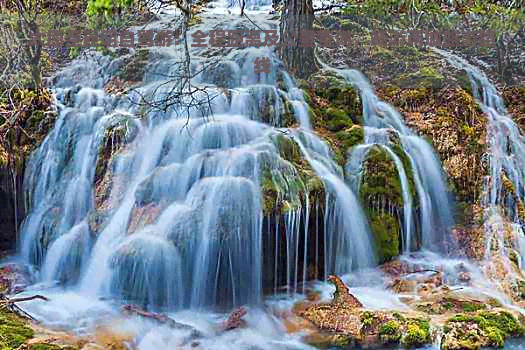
(198,173)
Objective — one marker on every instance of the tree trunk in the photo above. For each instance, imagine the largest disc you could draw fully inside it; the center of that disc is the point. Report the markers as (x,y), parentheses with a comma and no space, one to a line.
(297,16)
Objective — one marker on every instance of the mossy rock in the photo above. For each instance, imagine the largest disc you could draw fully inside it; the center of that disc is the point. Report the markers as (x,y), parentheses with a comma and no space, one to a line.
(337,119)
(121,131)
(482,329)
(390,332)
(381,53)
(288,190)
(342,323)
(417,333)
(425,77)
(380,178)
(464,82)
(13,331)
(385,229)
(288,149)
(326,340)
(451,304)
(351,137)
(381,182)
(338,94)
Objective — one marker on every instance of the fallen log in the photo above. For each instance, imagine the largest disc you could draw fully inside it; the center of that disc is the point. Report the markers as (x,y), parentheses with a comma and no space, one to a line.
(11,301)
(234,320)
(5,302)
(163,319)
(160,318)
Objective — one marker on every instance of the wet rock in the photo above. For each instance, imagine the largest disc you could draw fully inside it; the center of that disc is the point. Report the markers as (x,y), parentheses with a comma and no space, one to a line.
(464,276)
(400,285)
(134,67)
(342,293)
(234,320)
(92,346)
(395,268)
(146,269)
(223,74)
(143,215)
(343,323)
(14,278)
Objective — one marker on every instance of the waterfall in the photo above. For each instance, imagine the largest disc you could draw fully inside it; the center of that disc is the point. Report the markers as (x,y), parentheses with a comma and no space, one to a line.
(176,218)
(381,120)
(209,204)
(506,149)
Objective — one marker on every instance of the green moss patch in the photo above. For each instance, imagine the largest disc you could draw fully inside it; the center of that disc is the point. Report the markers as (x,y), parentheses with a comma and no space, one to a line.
(390,332)
(483,329)
(417,333)
(13,331)
(287,190)
(450,304)
(385,228)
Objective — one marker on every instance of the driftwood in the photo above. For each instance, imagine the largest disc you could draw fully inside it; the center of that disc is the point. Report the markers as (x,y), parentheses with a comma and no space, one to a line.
(421,271)
(7,301)
(234,320)
(161,318)
(11,304)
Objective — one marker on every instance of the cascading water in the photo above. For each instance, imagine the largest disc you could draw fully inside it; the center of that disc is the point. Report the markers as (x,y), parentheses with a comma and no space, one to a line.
(209,205)
(506,150)
(183,222)
(383,124)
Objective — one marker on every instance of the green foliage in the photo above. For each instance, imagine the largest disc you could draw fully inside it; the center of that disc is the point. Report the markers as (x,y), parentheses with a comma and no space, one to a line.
(472,307)
(441,14)
(495,336)
(398,316)
(74,52)
(106,7)
(337,119)
(31,119)
(425,77)
(387,7)
(503,321)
